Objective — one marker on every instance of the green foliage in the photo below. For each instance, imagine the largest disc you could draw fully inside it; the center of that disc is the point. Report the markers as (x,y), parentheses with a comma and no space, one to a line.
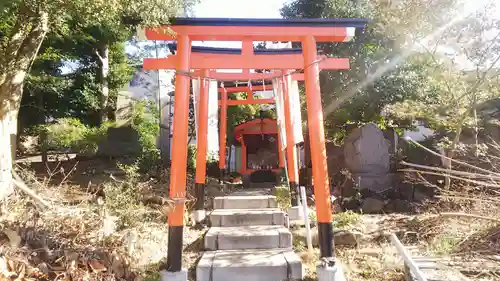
(66,133)
(384,40)
(456,89)
(76,92)
(283,197)
(77,31)
(145,120)
(122,200)
(444,244)
(191,157)
(345,219)
(70,133)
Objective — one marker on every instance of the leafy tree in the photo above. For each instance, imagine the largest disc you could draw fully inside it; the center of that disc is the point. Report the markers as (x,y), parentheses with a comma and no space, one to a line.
(24,26)
(382,72)
(461,80)
(50,93)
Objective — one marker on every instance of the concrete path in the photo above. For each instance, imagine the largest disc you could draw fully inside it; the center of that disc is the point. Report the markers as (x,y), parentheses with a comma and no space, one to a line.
(248,241)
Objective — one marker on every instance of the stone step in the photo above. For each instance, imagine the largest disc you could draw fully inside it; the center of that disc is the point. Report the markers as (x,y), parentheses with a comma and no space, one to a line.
(253,192)
(242,217)
(248,237)
(250,265)
(245,202)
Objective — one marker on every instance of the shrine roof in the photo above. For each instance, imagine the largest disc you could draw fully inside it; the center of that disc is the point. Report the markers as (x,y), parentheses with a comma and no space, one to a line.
(359,23)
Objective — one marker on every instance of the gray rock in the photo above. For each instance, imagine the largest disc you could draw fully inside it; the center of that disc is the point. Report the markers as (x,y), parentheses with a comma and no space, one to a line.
(340,237)
(121,141)
(401,206)
(345,238)
(367,151)
(419,196)
(337,208)
(372,205)
(367,156)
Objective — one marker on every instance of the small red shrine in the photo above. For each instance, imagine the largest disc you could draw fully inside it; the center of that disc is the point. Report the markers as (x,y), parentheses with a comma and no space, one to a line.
(260,148)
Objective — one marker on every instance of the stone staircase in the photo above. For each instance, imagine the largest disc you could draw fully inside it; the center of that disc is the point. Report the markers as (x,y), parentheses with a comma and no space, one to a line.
(248,241)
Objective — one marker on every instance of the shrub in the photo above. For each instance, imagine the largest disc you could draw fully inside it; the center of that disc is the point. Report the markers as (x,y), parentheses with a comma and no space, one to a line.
(345,219)
(145,120)
(65,133)
(70,133)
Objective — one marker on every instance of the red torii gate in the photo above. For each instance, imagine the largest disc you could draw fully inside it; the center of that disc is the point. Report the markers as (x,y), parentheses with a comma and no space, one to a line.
(226,58)
(306,31)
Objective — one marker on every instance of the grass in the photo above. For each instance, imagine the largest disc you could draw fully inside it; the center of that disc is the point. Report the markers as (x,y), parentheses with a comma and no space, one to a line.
(283,197)
(443,244)
(345,219)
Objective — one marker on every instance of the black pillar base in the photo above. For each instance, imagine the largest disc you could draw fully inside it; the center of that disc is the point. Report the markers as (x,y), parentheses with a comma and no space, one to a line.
(294,193)
(325,237)
(174,254)
(199,193)
(221,175)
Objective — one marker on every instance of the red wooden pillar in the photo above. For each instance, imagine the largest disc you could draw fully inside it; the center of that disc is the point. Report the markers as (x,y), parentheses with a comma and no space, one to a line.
(318,150)
(201,152)
(179,157)
(291,149)
(222,133)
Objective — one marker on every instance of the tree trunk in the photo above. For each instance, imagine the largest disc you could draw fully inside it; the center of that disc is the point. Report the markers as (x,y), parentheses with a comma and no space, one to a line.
(15,61)
(43,133)
(476,132)
(451,153)
(103,55)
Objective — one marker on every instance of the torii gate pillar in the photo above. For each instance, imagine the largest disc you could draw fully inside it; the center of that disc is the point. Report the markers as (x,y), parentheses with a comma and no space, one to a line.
(179,161)
(201,151)
(318,149)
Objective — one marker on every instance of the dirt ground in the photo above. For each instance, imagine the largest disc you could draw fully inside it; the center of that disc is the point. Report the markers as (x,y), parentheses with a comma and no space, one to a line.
(101,228)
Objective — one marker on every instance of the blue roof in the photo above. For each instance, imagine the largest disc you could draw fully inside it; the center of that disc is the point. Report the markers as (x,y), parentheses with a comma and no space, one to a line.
(359,23)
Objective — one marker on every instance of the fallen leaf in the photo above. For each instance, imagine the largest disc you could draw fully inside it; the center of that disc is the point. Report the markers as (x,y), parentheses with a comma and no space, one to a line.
(4,270)
(22,272)
(43,268)
(117,266)
(14,238)
(97,266)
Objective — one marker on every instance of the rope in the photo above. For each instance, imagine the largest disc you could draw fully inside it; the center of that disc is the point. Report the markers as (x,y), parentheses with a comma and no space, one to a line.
(190,75)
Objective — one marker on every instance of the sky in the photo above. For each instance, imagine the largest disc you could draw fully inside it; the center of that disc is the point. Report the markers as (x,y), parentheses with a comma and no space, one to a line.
(236,9)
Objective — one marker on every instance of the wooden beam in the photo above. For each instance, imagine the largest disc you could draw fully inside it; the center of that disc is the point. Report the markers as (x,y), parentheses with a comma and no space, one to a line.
(226,76)
(250,101)
(254,33)
(217,61)
(244,89)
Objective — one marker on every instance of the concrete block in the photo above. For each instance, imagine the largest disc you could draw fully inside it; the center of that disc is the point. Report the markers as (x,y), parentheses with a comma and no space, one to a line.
(248,237)
(252,192)
(330,273)
(279,218)
(285,238)
(295,270)
(198,215)
(251,265)
(174,276)
(242,217)
(204,267)
(295,213)
(245,202)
